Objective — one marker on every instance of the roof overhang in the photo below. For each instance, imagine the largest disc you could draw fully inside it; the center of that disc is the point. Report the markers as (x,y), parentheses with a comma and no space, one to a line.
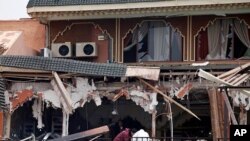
(143,9)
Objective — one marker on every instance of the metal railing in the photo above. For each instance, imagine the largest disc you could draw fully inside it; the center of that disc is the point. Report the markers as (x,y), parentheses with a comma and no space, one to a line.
(223,139)
(159,139)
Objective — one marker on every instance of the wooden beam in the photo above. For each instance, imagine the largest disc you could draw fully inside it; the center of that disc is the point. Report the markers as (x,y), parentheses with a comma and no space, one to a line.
(216,132)
(171,121)
(240,79)
(168,98)
(84,134)
(231,78)
(153,124)
(183,90)
(64,92)
(230,110)
(150,73)
(212,78)
(186,73)
(121,93)
(234,71)
(65,124)
(243,116)
(111,87)
(226,123)
(7,125)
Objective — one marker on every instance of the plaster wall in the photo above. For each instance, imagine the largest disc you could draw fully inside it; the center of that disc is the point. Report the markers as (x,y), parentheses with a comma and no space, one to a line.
(18,48)
(33,31)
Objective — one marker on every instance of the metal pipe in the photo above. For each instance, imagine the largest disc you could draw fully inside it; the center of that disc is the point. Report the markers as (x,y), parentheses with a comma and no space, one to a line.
(171,121)
(30,137)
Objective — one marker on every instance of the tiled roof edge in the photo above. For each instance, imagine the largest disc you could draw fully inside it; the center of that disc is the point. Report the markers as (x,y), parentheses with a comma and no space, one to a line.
(34,3)
(64,65)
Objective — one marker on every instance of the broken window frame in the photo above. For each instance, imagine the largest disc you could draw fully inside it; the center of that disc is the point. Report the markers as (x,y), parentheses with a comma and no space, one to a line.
(144,29)
(230,37)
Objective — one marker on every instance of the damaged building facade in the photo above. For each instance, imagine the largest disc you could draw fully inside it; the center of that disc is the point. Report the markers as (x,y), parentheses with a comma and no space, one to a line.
(178,69)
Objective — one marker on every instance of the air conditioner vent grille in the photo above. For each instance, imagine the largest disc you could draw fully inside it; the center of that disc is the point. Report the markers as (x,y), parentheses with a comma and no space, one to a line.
(86,49)
(61,49)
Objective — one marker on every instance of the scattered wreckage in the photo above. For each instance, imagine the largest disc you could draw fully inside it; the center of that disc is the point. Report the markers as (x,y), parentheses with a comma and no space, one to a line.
(55,92)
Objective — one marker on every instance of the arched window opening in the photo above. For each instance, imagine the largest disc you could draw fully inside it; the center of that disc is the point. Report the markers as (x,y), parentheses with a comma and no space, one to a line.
(223,39)
(153,41)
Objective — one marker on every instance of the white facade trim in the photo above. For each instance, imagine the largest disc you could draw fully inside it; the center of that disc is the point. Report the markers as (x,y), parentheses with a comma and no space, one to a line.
(132,5)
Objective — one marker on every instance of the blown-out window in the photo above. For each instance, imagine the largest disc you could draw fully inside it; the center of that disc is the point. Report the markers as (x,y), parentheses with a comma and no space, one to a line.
(223,39)
(153,41)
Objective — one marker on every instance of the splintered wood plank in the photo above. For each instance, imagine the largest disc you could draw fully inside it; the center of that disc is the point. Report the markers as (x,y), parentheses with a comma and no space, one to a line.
(211,77)
(234,71)
(153,130)
(117,96)
(231,78)
(150,73)
(168,98)
(183,90)
(214,113)
(230,110)
(64,92)
(7,125)
(121,93)
(240,79)
(84,134)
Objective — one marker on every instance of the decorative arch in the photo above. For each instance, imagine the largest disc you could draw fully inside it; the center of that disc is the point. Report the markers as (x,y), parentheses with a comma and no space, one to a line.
(212,22)
(131,30)
(96,26)
(68,27)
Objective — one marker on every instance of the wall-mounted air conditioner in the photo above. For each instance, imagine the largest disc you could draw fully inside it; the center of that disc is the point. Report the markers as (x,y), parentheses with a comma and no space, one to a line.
(45,52)
(61,49)
(86,49)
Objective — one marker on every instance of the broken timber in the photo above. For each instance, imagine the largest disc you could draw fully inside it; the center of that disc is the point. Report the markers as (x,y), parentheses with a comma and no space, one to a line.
(153,124)
(183,90)
(215,118)
(65,125)
(168,98)
(234,71)
(64,92)
(84,134)
(150,73)
(212,78)
(235,83)
(230,110)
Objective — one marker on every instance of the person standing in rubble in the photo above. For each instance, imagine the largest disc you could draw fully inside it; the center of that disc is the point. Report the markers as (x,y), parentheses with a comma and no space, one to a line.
(125,135)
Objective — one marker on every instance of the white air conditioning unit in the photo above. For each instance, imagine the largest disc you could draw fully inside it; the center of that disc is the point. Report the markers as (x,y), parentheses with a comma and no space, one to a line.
(45,52)
(61,49)
(86,49)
